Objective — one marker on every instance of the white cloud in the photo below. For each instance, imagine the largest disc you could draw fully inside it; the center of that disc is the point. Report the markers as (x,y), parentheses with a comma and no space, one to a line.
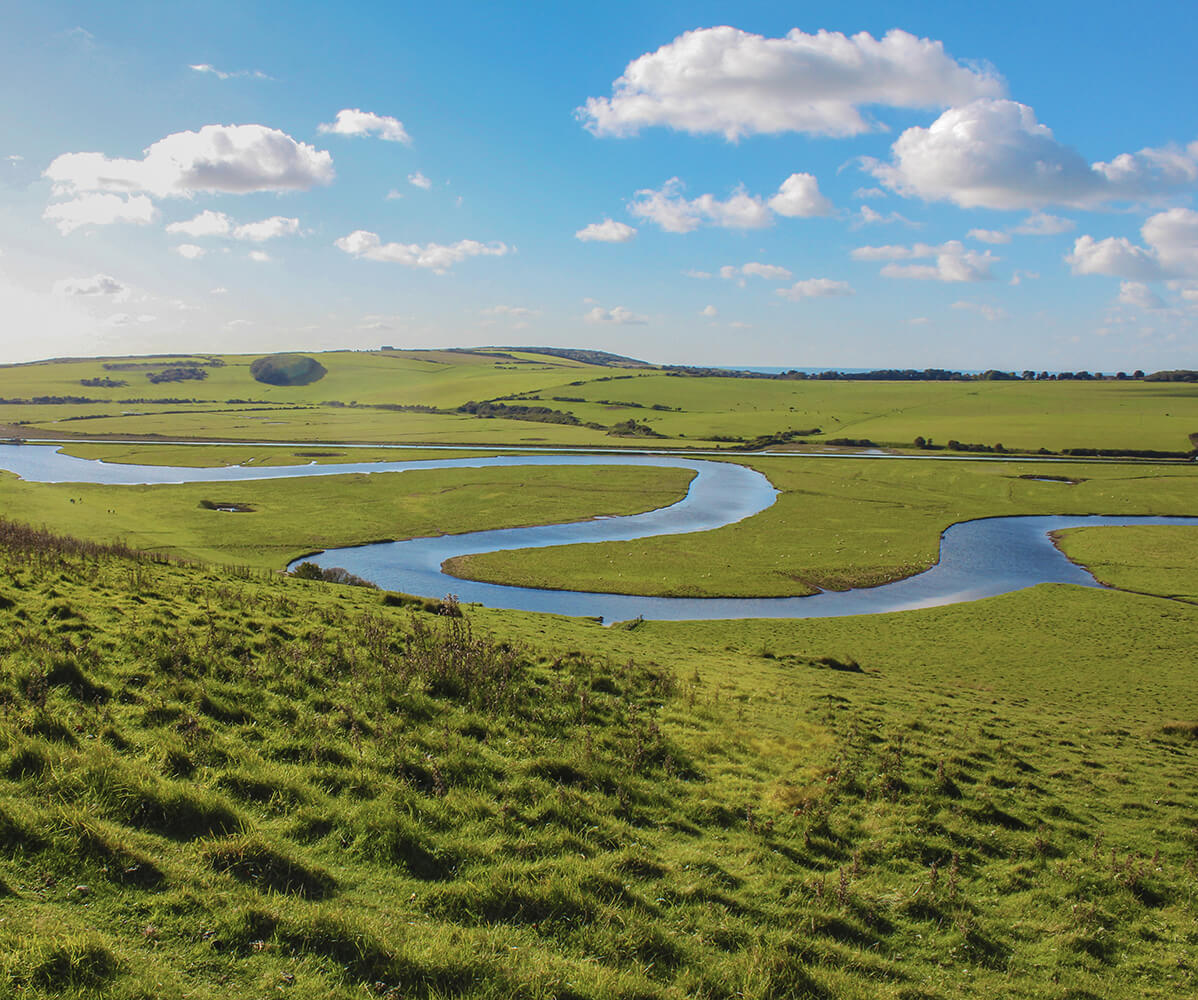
(815,288)
(1018,277)
(995,154)
(434,256)
(97,286)
(675,214)
(353,121)
(701,275)
(255,74)
(394,195)
(989,236)
(1135,293)
(799,197)
(419,180)
(267,229)
(730,82)
(517,313)
(619,316)
(892,252)
(1043,224)
(987,312)
(233,159)
(869,192)
(770,272)
(258,256)
(220,290)
(190,251)
(711,312)
(867,216)
(100,210)
(952,262)
(207,223)
(1171,252)
(607,231)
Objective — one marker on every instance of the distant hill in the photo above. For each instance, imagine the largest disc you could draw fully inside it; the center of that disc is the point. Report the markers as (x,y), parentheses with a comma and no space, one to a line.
(601,358)
(288,369)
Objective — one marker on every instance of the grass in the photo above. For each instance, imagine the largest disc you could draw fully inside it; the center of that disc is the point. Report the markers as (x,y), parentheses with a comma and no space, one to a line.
(687,411)
(292,517)
(840,523)
(1160,560)
(212,785)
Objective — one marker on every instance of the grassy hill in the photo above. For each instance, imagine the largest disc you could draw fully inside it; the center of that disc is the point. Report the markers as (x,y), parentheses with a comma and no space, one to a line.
(215,784)
(417,397)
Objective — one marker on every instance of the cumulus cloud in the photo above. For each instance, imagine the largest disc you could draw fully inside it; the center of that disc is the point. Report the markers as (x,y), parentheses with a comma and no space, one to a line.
(267,229)
(799,197)
(674,213)
(232,159)
(618,316)
(607,231)
(207,223)
(98,286)
(433,256)
(733,83)
(996,154)
(1136,293)
(952,262)
(711,312)
(815,288)
(354,121)
(100,210)
(419,180)
(1171,252)
(189,251)
(258,256)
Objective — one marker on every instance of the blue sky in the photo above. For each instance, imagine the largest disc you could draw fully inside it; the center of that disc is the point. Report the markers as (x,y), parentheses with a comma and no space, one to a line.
(813,184)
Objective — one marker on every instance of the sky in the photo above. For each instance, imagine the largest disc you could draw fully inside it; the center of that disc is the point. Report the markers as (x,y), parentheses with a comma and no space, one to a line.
(796,184)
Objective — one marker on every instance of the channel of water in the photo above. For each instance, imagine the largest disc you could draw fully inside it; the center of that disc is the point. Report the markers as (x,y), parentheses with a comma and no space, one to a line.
(982,558)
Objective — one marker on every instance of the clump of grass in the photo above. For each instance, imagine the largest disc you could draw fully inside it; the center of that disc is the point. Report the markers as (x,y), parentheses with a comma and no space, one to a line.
(250,859)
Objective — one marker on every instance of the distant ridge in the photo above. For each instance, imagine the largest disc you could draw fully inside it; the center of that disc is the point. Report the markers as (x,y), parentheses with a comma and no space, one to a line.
(601,358)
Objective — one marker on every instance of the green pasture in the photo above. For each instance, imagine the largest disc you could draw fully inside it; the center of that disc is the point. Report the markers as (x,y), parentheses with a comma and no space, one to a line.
(218,455)
(1019,415)
(292,517)
(841,523)
(1160,559)
(686,411)
(220,784)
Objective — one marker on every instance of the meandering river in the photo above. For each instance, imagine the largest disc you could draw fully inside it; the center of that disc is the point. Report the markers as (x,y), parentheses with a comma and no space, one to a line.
(982,558)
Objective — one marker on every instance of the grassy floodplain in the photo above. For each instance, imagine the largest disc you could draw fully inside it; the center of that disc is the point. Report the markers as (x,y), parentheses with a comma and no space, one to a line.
(288,518)
(226,782)
(685,410)
(217,785)
(1158,560)
(841,523)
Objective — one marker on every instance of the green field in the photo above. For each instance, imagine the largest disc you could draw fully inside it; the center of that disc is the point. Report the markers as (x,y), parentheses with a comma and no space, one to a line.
(212,785)
(840,523)
(1159,560)
(289,518)
(685,410)
(217,780)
